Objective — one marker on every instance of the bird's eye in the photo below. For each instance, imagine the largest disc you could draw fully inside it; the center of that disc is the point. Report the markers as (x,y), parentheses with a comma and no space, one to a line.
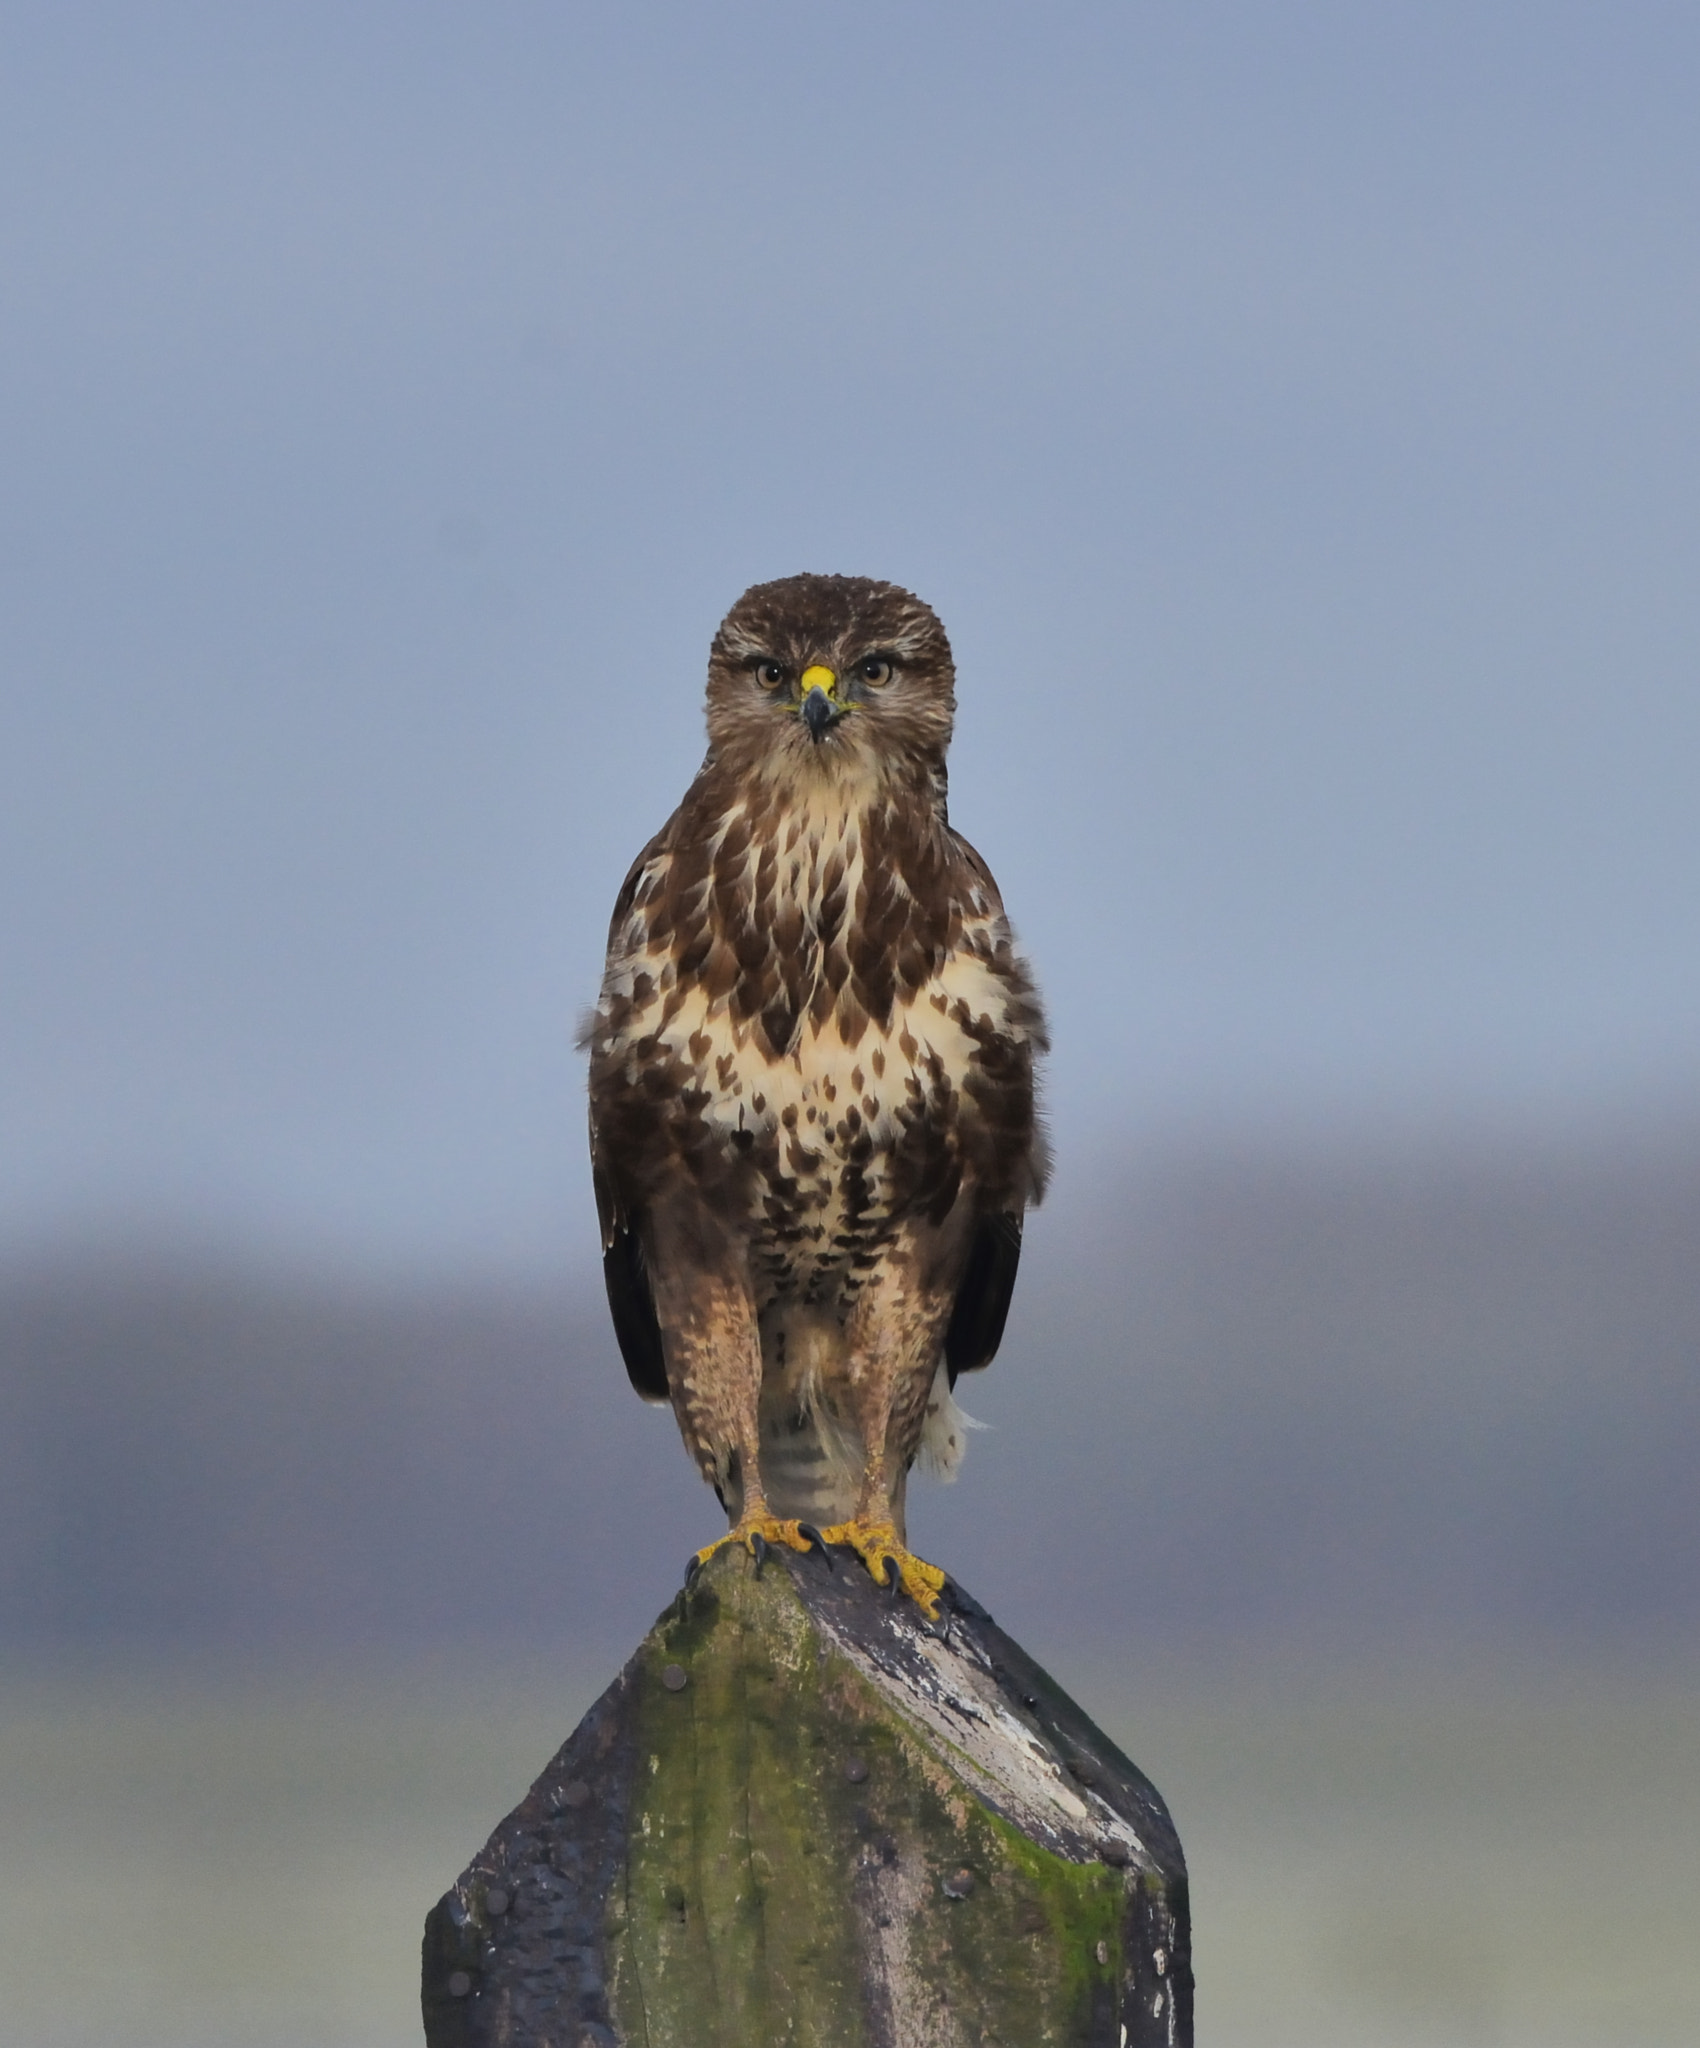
(770,674)
(874,671)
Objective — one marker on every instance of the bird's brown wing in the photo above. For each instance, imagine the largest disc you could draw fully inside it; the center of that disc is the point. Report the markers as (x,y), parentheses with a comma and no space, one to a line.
(994,1253)
(625,1274)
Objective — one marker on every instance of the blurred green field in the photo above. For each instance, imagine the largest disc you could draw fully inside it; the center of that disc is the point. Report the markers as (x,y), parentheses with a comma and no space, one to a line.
(1435,1857)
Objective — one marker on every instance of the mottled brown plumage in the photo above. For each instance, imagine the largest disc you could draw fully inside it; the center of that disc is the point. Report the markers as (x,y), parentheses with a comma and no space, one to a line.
(813,1130)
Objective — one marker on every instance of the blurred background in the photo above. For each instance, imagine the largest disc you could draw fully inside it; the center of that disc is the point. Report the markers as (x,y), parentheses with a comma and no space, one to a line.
(1293,415)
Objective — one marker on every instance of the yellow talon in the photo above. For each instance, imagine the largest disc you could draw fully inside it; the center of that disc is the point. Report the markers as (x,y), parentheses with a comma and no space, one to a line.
(769,1527)
(876,1544)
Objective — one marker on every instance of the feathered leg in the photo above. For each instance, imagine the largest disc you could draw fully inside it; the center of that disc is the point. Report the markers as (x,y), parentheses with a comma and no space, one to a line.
(894,1336)
(713,1352)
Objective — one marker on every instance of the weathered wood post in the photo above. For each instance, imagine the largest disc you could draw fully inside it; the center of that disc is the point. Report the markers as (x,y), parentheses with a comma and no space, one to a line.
(803,1815)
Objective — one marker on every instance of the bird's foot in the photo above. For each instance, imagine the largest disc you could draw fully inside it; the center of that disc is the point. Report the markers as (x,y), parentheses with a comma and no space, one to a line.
(758,1534)
(876,1544)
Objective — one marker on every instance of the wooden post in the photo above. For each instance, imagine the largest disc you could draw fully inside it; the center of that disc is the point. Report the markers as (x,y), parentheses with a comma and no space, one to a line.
(801,1815)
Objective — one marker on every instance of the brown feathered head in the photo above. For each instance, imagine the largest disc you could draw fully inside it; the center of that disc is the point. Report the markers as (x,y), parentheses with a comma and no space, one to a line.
(835,677)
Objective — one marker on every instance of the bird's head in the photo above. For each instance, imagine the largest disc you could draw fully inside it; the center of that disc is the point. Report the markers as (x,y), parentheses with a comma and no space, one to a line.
(836,677)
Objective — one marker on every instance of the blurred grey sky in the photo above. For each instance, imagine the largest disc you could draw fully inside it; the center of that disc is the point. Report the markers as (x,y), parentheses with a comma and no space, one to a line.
(1291,412)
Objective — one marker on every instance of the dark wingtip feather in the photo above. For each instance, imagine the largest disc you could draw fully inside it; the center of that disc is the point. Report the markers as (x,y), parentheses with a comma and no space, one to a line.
(631,1302)
(982,1301)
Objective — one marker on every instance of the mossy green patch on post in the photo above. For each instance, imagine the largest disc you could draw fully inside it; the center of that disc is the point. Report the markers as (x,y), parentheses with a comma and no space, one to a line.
(733,1928)
(807,1866)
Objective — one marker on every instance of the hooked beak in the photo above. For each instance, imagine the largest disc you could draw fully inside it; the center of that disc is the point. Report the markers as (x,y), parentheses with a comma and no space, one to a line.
(819,707)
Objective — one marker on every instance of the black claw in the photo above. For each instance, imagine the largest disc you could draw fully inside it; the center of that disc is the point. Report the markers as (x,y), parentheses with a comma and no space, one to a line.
(809,1530)
(692,1567)
(758,1550)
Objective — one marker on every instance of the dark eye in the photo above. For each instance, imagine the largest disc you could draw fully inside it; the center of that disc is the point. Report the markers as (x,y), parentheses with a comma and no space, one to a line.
(770,674)
(874,671)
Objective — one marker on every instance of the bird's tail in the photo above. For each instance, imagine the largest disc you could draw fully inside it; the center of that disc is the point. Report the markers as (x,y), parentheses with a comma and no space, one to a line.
(810,1463)
(812,1460)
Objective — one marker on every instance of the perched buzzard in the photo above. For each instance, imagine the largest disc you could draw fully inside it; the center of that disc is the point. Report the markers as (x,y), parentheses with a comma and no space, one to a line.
(812,1122)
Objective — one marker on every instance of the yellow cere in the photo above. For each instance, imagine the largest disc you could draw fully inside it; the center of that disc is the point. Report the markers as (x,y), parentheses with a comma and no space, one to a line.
(817,678)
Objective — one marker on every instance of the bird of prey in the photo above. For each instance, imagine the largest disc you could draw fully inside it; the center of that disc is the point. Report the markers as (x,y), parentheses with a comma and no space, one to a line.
(812,1119)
